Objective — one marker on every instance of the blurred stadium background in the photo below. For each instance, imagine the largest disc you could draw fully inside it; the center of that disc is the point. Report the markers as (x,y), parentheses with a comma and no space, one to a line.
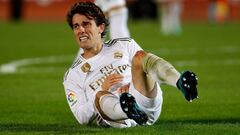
(37,47)
(38,10)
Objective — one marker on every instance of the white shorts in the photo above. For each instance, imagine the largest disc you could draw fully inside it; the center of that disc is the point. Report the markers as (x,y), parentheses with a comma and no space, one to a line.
(151,106)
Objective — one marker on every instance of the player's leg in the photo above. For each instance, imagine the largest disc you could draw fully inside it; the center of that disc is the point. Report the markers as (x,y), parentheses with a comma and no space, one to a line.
(118,23)
(108,105)
(144,67)
(164,73)
(175,9)
(148,68)
(151,106)
(141,80)
(116,110)
(163,7)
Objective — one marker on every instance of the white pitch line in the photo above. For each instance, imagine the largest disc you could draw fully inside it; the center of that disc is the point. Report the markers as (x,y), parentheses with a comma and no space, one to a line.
(12,67)
(192,63)
(190,51)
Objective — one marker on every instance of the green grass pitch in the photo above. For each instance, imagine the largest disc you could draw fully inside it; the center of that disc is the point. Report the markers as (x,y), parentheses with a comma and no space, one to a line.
(32,99)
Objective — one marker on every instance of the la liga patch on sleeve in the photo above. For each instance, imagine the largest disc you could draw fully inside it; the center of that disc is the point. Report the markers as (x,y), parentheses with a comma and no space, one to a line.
(72,98)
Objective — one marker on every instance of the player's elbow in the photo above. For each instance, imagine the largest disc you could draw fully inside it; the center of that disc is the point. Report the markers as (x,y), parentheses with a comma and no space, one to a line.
(83,121)
(83,117)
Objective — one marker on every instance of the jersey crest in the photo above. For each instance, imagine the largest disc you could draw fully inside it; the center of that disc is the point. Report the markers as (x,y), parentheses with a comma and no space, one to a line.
(86,67)
(118,55)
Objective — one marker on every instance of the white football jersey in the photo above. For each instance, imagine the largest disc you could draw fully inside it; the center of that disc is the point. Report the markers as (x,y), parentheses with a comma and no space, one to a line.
(106,5)
(85,77)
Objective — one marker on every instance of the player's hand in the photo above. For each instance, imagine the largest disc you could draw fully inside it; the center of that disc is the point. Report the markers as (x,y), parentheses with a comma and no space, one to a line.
(111,80)
(187,83)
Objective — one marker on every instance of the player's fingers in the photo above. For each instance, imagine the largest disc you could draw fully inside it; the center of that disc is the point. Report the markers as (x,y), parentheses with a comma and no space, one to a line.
(115,76)
(108,83)
(113,83)
(105,87)
(113,80)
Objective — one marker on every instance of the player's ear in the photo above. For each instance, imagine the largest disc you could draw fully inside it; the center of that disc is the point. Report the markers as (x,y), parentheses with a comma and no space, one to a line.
(101,28)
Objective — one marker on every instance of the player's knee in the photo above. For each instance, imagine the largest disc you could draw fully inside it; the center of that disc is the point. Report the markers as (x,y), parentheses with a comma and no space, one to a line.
(138,58)
(99,103)
(140,53)
(98,96)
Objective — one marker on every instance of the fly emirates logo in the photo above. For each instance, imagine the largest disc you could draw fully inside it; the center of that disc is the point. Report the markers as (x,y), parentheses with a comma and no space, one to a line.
(106,71)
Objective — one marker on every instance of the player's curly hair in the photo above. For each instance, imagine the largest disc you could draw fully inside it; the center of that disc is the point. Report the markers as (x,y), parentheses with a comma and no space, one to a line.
(91,11)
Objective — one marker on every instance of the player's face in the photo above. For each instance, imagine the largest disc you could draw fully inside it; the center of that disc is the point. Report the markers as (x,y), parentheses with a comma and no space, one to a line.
(87,33)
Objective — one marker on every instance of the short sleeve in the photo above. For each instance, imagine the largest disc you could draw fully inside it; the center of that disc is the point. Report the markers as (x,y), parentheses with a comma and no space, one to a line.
(133,47)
